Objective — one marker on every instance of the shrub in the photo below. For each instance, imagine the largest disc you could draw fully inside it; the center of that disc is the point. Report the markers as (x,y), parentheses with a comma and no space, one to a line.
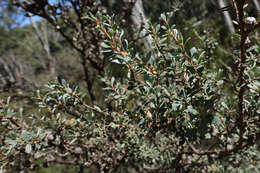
(171,112)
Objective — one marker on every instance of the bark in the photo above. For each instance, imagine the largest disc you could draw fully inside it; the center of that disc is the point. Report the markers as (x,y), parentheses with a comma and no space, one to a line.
(226,16)
(43,38)
(139,21)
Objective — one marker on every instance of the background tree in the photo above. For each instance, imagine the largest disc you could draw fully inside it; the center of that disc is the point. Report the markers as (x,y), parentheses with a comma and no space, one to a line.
(226,17)
(256,6)
(69,18)
(9,15)
(43,39)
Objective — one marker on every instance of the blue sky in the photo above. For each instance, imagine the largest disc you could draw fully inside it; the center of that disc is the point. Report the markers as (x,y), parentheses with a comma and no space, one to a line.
(20,18)
(27,21)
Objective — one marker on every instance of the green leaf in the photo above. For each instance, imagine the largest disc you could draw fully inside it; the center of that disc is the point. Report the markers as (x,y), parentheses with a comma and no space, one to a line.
(207,135)
(10,113)
(122,33)
(220,82)
(21,111)
(112,81)
(164,27)
(149,23)
(11,142)
(245,5)
(114,27)
(191,110)
(224,105)
(97,108)
(235,22)
(8,100)
(237,35)
(63,82)
(26,135)
(104,45)
(193,51)
(28,148)
(163,16)
(157,27)
(200,70)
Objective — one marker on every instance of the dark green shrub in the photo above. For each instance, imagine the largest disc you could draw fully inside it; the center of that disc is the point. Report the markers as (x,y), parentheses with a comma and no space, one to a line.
(171,112)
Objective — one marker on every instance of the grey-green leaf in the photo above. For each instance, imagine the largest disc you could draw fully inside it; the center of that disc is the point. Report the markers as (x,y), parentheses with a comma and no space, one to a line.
(28,148)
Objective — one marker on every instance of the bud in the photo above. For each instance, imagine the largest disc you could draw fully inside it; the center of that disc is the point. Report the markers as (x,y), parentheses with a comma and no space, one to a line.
(50,137)
(78,150)
(250,21)
(149,115)
(69,123)
(248,41)
(58,27)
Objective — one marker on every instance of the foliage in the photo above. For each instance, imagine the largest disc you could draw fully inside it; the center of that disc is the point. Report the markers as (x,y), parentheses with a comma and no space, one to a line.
(172,112)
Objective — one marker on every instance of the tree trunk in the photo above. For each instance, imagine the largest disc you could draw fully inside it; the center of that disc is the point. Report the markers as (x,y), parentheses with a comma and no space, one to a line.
(256,6)
(43,38)
(139,20)
(226,17)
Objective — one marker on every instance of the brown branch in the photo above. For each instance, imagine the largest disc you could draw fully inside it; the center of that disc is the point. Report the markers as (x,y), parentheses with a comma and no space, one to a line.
(241,68)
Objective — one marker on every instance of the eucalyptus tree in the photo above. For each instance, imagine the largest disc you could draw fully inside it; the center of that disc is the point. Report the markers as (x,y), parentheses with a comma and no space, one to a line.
(256,6)
(42,35)
(69,19)
(226,16)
